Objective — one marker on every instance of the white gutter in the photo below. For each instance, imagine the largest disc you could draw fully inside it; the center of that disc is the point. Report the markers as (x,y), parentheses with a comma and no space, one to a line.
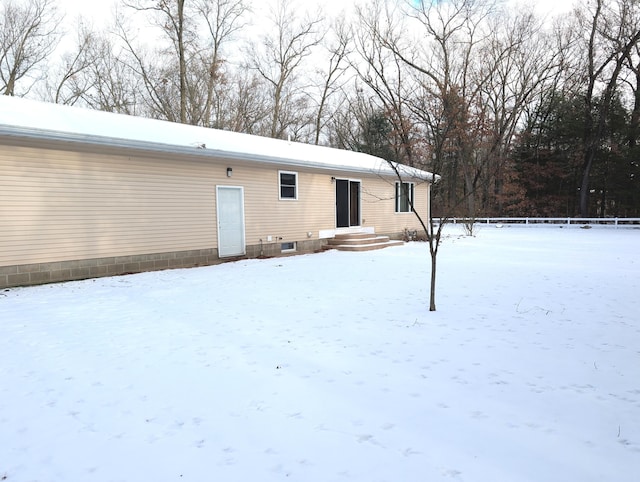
(205,152)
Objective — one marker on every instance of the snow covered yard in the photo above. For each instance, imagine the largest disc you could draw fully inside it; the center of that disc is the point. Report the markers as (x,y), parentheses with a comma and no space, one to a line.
(329,367)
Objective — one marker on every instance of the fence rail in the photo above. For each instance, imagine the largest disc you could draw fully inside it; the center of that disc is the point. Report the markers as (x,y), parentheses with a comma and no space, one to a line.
(537,221)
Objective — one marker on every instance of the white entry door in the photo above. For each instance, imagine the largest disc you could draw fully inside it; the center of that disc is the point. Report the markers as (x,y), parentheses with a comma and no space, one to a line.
(230,203)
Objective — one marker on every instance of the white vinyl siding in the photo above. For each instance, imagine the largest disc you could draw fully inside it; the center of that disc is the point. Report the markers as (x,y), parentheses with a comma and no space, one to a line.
(379,206)
(63,205)
(59,206)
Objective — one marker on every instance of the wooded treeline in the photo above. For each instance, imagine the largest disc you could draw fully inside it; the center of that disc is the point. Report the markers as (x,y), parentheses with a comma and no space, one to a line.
(521,115)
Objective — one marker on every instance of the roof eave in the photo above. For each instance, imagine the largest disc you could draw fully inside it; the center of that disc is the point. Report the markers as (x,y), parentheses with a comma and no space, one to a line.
(192,151)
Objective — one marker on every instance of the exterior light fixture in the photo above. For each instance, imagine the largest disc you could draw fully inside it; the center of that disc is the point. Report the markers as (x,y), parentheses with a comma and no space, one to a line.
(229,171)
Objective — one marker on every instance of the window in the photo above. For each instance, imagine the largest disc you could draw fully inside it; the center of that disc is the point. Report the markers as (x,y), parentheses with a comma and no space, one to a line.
(404,197)
(288,247)
(288,185)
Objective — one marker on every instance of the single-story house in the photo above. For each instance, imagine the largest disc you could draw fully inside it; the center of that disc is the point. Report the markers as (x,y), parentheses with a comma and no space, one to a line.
(85,193)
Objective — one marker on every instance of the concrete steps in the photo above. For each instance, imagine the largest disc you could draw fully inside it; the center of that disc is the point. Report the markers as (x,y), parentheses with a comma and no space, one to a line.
(360,242)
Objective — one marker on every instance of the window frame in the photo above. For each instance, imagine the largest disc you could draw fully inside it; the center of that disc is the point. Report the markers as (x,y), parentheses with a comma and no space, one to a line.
(410,197)
(294,186)
(293,249)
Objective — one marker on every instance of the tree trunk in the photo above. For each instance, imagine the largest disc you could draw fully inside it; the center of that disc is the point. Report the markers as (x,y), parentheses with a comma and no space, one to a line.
(183,63)
(634,127)
(589,156)
(432,289)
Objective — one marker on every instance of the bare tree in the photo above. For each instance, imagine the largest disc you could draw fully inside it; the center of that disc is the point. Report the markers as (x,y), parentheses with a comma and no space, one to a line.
(452,69)
(633,64)
(28,35)
(333,76)
(170,17)
(279,58)
(155,74)
(243,104)
(466,77)
(613,32)
(523,62)
(350,126)
(223,20)
(385,75)
(432,230)
(69,80)
(112,85)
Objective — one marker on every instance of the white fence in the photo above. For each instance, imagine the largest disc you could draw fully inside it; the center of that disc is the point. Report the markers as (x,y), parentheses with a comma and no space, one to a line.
(541,221)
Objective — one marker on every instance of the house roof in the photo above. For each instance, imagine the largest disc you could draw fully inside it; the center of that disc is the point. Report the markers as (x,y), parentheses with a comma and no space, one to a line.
(21,117)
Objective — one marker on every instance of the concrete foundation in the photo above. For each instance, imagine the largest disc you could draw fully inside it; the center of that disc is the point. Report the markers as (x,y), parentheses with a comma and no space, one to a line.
(55,272)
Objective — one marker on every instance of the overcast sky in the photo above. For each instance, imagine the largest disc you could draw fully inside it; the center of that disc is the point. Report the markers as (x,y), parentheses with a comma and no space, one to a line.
(101,11)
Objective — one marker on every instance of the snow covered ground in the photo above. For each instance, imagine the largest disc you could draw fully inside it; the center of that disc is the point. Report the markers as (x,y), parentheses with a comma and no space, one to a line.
(329,367)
